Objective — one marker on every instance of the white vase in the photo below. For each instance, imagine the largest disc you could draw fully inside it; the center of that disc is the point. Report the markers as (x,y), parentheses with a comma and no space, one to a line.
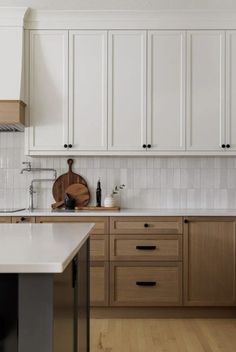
(109,201)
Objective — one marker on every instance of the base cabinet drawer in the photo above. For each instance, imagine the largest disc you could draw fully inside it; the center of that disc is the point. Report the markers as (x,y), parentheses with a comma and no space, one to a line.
(146,284)
(145,225)
(99,275)
(145,248)
(5,219)
(101,223)
(23,219)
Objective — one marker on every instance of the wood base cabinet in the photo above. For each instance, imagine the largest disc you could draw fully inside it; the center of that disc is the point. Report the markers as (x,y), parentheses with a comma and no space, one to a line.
(209,255)
(99,255)
(146,261)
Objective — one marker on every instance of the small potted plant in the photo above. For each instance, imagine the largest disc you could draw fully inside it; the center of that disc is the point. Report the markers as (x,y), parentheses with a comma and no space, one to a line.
(110,200)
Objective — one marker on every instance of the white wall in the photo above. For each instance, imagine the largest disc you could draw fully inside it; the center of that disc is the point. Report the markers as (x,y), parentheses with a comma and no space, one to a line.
(153,182)
(123,4)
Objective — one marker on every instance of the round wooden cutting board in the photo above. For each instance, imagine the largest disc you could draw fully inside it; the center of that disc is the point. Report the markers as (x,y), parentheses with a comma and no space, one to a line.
(80,193)
(65,180)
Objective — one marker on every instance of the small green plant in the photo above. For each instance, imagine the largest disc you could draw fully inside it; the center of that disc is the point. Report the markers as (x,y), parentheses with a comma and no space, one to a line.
(117,189)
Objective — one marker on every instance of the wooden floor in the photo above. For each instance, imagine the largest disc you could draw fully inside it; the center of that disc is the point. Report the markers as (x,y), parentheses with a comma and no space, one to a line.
(163,335)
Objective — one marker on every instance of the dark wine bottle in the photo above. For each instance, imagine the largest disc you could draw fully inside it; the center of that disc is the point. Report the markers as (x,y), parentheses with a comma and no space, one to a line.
(99,194)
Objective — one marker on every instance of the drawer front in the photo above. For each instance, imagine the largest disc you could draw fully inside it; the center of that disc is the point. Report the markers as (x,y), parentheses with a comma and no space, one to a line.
(148,284)
(99,247)
(146,225)
(23,219)
(99,284)
(101,223)
(5,219)
(145,248)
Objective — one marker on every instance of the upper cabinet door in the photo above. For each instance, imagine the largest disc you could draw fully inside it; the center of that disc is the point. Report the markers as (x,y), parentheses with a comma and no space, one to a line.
(127,90)
(88,90)
(206,90)
(166,90)
(230,139)
(48,90)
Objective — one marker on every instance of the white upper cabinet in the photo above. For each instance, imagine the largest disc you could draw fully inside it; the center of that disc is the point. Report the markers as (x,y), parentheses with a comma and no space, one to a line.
(206,90)
(88,90)
(48,90)
(166,90)
(127,90)
(230,140)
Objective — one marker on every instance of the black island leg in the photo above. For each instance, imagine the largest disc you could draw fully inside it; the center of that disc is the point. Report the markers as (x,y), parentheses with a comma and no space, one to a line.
(8,312)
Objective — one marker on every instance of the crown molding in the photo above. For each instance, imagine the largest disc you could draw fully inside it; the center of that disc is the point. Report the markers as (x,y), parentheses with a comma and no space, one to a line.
(189,19)
(13,16)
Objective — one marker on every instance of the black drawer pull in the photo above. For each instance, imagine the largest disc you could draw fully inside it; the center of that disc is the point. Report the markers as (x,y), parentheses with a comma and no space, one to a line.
(22,218)
(146,248)
(146,225)
(145,283)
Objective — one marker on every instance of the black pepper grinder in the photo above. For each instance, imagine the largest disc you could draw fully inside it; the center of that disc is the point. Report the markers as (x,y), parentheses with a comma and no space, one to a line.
(99,193)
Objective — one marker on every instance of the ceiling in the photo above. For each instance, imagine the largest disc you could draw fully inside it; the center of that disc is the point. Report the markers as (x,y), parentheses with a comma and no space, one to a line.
(122,4)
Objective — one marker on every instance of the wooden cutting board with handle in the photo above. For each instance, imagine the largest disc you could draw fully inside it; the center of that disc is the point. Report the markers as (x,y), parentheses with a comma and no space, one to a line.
(79,193)
(65,180)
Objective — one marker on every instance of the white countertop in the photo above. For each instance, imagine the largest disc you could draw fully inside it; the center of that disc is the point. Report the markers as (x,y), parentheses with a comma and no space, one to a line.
(127,212)
(40,248)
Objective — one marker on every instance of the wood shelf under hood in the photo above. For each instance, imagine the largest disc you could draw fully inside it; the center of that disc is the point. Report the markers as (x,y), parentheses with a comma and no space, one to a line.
(12,115)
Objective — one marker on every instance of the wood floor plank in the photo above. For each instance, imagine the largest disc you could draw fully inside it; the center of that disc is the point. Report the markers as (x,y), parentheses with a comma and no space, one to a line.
(163,335)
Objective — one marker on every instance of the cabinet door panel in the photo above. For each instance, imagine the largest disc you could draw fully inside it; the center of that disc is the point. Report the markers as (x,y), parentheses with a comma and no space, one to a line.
(210,262)
(99,289)
(88,83)
(127,90)
(166,82)
(48,90)
(206,90)
(231,90)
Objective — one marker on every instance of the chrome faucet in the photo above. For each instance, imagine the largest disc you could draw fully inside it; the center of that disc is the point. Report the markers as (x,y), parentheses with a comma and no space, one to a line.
(29,168)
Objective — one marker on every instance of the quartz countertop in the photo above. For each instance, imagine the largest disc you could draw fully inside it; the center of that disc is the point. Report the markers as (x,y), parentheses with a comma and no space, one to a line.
(126,212)
(40,248)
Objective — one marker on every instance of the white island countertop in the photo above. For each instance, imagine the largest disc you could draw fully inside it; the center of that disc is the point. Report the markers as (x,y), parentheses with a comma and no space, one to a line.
(126,212)
(40,248)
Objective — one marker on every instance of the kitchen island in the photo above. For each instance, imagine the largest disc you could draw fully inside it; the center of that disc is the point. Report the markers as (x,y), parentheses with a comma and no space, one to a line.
(44,287)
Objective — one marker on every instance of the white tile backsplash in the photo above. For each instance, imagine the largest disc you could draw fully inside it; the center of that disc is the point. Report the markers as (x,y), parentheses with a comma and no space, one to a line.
(151,182)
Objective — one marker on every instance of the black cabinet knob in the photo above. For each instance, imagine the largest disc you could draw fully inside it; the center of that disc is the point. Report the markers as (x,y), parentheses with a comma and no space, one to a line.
(22,219)
(145,225)
(65,146)
(185,221)
(227,145)
(223,146)
(149,146)
(144,146)
(70,145)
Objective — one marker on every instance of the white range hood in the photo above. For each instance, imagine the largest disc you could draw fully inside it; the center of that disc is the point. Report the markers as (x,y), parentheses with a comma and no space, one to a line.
(12,104)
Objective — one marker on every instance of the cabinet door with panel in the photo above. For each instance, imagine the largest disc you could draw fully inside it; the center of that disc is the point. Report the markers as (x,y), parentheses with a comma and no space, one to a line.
(127,90)
(99,290)
(206,91)
(230,90)
(48,90)
(166,90)
(88,90)
(209,262)
(99,255)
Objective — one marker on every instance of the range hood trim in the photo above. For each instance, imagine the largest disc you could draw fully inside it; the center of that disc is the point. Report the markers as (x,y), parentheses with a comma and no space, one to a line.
(12,115)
